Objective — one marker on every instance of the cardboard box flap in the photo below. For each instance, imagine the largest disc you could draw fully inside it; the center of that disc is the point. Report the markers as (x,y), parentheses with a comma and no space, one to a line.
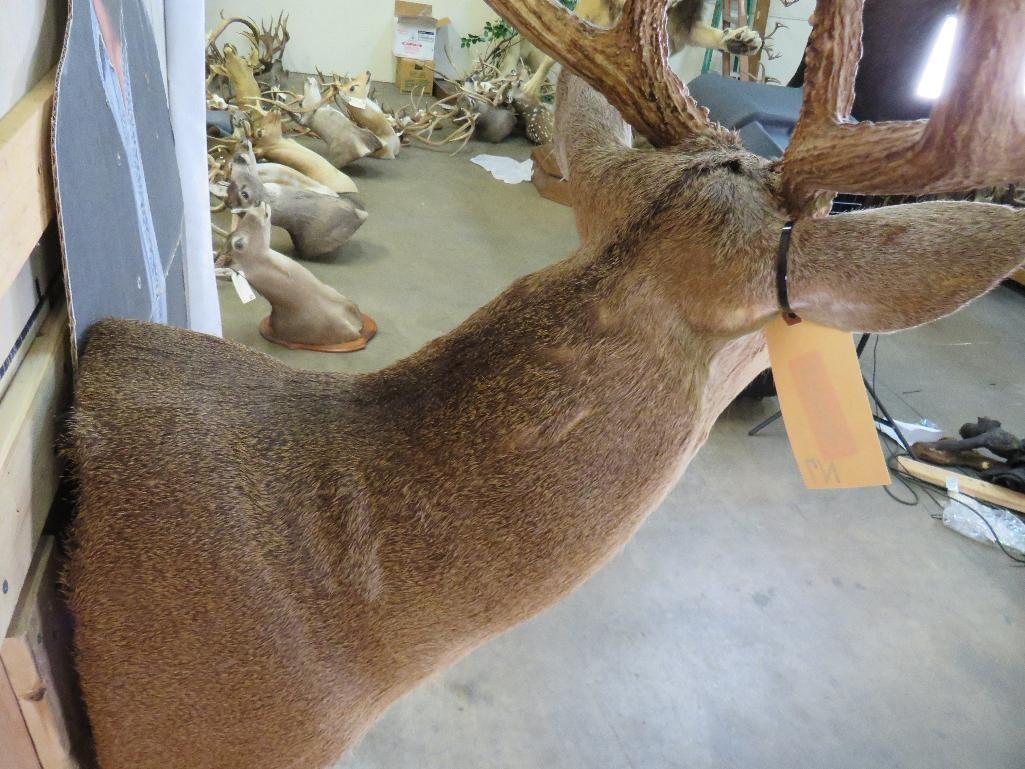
(415,31)
(404,9)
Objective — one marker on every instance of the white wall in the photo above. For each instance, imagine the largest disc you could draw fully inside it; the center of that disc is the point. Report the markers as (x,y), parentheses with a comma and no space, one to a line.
(788,42)
(186,77)
(348,36)
(31,37)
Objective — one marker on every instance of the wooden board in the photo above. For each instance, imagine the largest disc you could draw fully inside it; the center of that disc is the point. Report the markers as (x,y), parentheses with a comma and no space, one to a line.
(552,188)
(37,657)
(973,487)
(547,177)
(15,743)
(26,194)
(760,22)
(119,196)
(29,463)
(544,156)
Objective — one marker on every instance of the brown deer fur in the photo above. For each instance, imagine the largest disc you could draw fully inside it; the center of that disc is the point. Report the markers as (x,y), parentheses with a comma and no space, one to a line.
(266,558)
(275,173)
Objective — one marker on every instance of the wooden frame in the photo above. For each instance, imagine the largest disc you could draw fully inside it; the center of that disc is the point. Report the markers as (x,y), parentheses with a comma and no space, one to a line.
(26,195)
(30,466)
(18,750)
(39,667)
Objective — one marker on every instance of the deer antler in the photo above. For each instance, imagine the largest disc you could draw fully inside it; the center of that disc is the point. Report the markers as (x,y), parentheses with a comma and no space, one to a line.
(628,63)
(973,138)
(269,44)
(211,40)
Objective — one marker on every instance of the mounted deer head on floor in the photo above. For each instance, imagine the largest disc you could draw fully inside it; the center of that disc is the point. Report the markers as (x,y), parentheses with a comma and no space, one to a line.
(346,141)
(305,312)
(266,558)
(319,224)
(354,96)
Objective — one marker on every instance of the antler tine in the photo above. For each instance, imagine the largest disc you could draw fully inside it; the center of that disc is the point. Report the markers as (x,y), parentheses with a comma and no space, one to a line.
(629,63)
(973,138)
(980,119)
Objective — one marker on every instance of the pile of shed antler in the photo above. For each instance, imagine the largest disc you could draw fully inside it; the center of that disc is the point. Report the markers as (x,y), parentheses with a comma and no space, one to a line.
(297,188)
(248,101)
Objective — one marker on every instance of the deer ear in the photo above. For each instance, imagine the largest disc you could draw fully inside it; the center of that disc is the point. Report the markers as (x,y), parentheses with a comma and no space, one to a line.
(897,267)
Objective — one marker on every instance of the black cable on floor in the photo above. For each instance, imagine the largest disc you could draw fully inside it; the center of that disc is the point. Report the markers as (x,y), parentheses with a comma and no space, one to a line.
(913,484)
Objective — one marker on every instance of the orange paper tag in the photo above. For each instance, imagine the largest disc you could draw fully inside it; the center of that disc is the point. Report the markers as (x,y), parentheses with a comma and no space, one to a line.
(825,406)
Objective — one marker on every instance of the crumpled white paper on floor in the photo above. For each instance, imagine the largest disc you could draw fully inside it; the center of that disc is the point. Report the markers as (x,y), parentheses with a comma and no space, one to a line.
(506,169)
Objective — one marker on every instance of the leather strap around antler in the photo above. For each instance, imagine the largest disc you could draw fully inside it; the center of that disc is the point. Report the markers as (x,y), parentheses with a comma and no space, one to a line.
(628,63)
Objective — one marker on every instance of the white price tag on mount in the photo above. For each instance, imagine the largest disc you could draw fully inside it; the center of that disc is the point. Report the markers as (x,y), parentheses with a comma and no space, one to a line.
(242,288)
(358,103)
(219,189)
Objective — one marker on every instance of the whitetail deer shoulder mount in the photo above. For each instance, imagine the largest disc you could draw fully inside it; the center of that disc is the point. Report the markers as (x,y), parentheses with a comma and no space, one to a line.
(264,559)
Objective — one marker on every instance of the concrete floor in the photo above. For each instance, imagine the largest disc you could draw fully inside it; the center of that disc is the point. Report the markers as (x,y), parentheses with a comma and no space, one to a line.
(751,623)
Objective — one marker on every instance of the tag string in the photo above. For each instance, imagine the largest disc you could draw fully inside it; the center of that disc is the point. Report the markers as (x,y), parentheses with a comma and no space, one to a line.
(782,270)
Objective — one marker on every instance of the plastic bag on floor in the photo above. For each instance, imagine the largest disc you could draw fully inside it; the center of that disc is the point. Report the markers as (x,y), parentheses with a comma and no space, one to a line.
(506,169)
(962,514)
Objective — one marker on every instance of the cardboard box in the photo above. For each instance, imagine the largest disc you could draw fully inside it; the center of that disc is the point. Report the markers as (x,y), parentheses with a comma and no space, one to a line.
(416,31)
(412,75)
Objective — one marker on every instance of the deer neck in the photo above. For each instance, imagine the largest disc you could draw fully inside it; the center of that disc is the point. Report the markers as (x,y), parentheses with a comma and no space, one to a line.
(539,434)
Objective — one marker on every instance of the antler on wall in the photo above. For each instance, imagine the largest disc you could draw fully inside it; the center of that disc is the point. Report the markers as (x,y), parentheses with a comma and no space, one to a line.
(973,138)
(628,63)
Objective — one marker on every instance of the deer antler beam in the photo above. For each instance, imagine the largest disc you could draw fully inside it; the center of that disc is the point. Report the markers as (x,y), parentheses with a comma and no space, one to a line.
(628,63)
(972,139)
